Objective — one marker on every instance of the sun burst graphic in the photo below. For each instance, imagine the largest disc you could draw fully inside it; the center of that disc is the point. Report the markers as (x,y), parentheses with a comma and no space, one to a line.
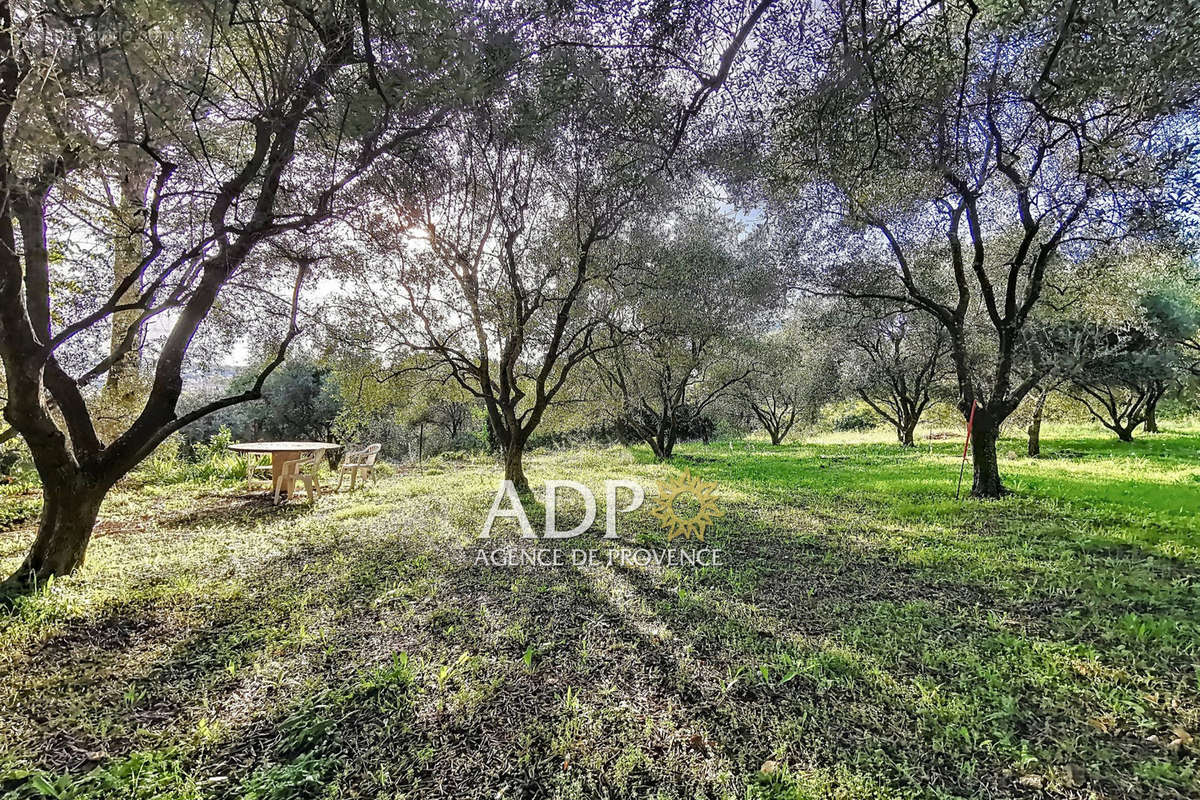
(686,485)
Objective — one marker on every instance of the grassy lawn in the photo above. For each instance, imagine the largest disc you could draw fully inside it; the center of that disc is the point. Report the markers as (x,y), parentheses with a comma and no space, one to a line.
(865,636)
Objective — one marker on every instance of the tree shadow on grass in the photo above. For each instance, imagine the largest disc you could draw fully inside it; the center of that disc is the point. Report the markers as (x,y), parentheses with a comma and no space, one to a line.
(882,631)
(239,509)
(605,682)
(145,672)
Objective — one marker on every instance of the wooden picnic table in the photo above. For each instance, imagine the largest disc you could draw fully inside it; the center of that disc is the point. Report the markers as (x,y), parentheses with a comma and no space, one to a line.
(282,452)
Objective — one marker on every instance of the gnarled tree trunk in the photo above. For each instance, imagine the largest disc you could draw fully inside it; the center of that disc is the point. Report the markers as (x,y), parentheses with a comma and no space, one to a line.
(1124,432)
(70,504)
(1120,410)
(493,442)
(986,483)
(514,467)
(900,411)
(662,441)
(664,450)
(777,419)
(1152,418)
(1035,425)
(1160,388)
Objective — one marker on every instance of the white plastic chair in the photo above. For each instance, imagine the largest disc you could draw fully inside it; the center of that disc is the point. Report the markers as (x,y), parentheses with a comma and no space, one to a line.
(257,469)
(304,470)
(359,461)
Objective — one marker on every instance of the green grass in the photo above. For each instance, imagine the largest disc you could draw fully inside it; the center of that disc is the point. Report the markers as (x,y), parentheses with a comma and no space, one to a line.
(866,636)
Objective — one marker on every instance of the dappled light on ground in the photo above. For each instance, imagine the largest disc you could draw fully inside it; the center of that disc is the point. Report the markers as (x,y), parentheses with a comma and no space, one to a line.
(865,635)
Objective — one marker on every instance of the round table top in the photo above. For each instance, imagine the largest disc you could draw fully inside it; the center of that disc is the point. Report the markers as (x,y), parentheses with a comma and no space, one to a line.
(282,447)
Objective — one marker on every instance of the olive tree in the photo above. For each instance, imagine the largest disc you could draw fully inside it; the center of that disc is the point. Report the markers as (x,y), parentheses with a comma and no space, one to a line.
(252,119)
(694,295)
(794,372)
(1124,375)
(899,360)
(499,266)
(974,151)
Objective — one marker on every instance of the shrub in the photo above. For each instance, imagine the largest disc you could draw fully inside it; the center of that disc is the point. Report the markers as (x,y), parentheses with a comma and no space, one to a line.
(858,419)
(17,506)
(210,461)
(20,500)
(16,465)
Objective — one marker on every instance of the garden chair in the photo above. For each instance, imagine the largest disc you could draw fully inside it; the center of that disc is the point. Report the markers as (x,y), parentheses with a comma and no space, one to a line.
(258,468)
(358,462)
(300,470)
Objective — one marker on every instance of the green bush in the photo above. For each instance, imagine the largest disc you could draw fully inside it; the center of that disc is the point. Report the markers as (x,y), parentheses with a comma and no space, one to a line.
(16,464)
(18,506)
(859,419)
(211,461)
